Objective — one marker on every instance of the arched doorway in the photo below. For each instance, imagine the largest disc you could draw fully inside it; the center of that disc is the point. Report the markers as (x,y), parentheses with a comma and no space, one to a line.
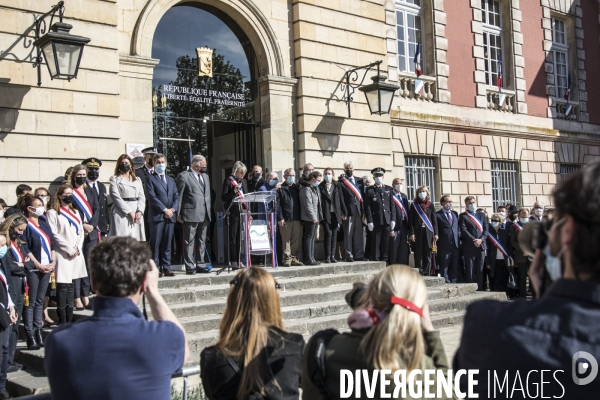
(215,115)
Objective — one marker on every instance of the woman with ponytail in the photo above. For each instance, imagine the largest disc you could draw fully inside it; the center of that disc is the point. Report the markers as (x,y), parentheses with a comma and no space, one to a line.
(390,330)
(254,357)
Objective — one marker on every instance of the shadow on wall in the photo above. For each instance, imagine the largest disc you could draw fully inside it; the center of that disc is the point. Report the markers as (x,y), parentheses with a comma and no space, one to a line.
(330,141)
(12,98)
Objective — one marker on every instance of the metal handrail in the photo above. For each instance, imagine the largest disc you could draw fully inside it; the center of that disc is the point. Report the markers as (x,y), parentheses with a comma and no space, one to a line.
(182,373)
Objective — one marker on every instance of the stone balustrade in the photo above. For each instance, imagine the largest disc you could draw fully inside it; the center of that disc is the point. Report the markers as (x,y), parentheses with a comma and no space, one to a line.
(561,109)
(500,101)
(410,87)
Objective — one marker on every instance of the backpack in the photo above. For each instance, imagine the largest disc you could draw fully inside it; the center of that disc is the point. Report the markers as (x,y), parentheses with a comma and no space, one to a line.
(316,360)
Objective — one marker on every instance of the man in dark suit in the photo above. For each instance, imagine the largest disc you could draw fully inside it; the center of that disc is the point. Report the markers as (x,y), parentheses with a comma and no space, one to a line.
(448,242)
(352,189)
(21,191)
(380,212)
(163,200)
(93,174)
(194,212)
(474,232)
(143,173)
(398,247)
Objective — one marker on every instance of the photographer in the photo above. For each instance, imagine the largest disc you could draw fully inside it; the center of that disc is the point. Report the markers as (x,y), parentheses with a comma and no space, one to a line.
(547,333)
(116,352)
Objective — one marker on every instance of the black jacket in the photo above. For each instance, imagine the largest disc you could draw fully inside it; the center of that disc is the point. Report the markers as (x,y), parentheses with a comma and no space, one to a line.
(280,365)
(380,209)
(92,198)
(228,194)
(535,335)
(448,235)
(103,217)
(519,256)
(4,295)
(353,206)
(401,223)
(415,224)
(469,231)
(288,203)
(15,285)
(492,251)
(338,203)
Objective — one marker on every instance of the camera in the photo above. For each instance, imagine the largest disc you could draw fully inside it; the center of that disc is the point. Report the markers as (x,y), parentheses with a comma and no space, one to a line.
(534,236)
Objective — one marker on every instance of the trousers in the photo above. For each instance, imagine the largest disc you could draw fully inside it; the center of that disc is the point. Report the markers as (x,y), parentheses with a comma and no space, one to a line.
(330,232)
(522,271)
(194,236)
(474,260)
(422,250)
(448,258)
(308,240)
(64,300)
(353,237)
(234,237)
(380,243)
(291,236)
(161,236)
(13,331)
(32,314)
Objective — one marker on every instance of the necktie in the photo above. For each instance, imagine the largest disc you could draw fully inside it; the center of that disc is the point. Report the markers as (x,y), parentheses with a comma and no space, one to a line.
(163,178)
(95,188)
(449,215)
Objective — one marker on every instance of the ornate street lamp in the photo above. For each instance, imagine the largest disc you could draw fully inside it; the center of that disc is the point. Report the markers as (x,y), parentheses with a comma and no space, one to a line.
(61,50)
(379,94)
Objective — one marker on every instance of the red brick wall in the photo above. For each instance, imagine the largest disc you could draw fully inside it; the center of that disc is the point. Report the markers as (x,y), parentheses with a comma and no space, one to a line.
(533,52)
(460,53)
(591,32)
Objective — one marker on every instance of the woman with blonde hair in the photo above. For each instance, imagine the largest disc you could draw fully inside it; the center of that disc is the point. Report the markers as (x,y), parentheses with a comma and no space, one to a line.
(254,357)
(129,201)
(422,229)
(390,330)
(235,185)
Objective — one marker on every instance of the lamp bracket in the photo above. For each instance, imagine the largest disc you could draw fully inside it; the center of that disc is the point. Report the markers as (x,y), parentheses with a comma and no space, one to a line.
(41,28)
(351,77)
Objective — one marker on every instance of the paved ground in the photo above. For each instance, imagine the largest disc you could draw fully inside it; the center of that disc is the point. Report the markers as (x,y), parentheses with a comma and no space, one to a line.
(451,340)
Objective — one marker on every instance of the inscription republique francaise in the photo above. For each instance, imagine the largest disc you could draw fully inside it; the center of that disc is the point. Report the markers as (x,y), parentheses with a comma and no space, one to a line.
(197,95)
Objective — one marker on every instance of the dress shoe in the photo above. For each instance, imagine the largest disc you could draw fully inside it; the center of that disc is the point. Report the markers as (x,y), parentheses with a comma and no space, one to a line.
(349,259)
(190,272)
(327,260)
(5,395)
(14,367)
(160,274)
(333,260)
(39,340)
(31,343)
(297,263)
(311,262)
(168,272)
(88,307)
(203,270)
(79,308)
(361,259)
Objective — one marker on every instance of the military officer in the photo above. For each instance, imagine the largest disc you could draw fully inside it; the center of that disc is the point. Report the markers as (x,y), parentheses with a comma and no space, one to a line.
(93,181)
(143,173)
(380,212)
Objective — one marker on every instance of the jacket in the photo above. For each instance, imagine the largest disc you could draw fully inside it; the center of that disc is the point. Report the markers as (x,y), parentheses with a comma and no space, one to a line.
(380,209)
(492,251)
(280,366)
(288,203)
(34,243)
(5,298)
(161,195)
(194,197)
(343,352)
(415,224)
(15,283)
(120,223)
(66,239)
(519,256)
(92,199)
(353,206)
(334,198)
(103,217)
(228,194)
(401,220)
(448,235)
(469,231)
(310,202)
(542,334)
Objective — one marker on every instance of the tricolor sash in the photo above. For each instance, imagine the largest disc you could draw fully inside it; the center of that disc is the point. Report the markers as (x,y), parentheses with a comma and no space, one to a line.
(353,188)
(240,192)
(498,244)
(475,221)
(424,217)
(46,243)
(17,255)
(71,217)
(83,204)
(399,204)
(3,279)
(518,226)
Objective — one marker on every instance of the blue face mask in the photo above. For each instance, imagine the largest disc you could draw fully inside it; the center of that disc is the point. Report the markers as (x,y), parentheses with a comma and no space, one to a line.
(552,263)
(495,224)
(472,207)
(3,251)
(273,182)
(160,168)
(291,179)
(524,220)
(316,183)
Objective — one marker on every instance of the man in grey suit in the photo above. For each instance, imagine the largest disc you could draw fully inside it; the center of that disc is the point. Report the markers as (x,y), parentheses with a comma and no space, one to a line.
(194,213)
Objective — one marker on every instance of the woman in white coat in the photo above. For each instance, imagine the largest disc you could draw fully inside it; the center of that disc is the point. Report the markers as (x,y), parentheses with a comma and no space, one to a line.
(67,235)
(129,201)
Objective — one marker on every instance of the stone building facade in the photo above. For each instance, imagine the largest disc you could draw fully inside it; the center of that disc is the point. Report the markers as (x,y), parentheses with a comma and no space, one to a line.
(461,134)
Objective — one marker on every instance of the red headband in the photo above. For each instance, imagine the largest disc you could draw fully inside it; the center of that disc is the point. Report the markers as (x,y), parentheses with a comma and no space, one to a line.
(406,304)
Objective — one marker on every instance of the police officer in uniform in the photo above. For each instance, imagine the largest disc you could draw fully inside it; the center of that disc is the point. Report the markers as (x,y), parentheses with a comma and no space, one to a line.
(93,175)
(380,212)
(143,173)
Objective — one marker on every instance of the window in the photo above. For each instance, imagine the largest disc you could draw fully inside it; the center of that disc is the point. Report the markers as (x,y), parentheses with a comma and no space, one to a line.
(409,27)
(419,171)
(566,170)
(560,55)
(492,40)
(504,183)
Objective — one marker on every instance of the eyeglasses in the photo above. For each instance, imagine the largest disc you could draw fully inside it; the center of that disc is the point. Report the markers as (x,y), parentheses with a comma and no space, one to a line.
(234,282)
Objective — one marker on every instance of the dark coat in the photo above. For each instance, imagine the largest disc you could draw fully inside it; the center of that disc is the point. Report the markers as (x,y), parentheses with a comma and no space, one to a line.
(469,231)
(448,235)
(16,273)
(34,243)
(161,195)
(143,173)
(338,202)
(518,254)
(492,251)
(532,335)
(380,209)
(4,294)
(92,198)
(228,194)
(288,203)
(280,368)
(353,206)
(103,217)
(401,223)
(415,223)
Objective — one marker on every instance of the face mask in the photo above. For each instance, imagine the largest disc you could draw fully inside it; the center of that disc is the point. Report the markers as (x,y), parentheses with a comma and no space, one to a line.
(448,206)
(378,180)
(67,199)
(553,263)
(472,207)
(495,224)
(203,170)
(161,168)
(513,217)
(273,182)
(328,178)
(422,195)
(539,211)
(44,201)
(316,183)
(39,211)
(3,250)
(124,167)
(349,172)
(14,235)
(150,162)
(256,175)
(80,180)
(93,175)
(503,214)
(524,220)
(1,213)
(398,188)
(290,179)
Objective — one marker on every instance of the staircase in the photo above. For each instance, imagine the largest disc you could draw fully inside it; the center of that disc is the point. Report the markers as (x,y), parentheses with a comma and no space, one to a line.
(312,299)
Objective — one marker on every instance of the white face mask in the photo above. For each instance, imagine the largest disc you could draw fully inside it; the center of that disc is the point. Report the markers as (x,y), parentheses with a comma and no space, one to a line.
(378,180)
(39,211)
(503,214)
(495,224)
(552,263)
(539,211)
(328,178)
(398,188)
(524,220)
(422,195)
